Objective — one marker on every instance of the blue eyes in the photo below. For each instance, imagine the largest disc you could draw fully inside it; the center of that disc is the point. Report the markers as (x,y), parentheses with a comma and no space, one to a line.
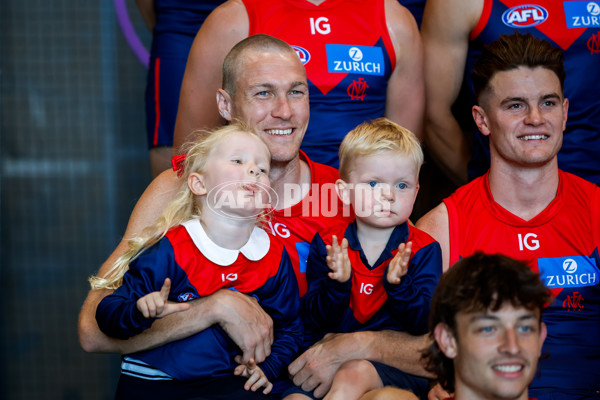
(399,185)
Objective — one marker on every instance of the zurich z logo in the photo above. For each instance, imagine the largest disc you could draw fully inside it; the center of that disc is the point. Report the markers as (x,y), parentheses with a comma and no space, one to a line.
(524,16)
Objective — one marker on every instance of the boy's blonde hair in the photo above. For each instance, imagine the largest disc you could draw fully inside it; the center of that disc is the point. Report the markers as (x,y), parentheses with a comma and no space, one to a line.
(182,208)
(376,136)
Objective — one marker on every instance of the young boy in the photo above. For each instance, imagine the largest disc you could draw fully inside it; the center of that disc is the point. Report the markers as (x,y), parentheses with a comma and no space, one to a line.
(367,282)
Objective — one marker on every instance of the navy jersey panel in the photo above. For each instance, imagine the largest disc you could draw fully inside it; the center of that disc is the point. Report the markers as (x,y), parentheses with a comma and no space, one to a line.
(565,27)
(209,353)
(367,301)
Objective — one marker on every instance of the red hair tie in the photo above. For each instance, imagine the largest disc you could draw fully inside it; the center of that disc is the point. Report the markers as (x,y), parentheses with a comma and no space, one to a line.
(177,163)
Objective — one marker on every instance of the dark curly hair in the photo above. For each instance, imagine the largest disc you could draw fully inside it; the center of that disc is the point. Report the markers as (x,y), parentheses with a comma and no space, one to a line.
(478,283)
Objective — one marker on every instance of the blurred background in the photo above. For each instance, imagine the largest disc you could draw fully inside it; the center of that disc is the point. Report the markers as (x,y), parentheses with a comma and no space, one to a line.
(73,161)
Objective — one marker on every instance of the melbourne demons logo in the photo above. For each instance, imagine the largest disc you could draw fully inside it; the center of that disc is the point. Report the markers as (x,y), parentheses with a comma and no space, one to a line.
(524,16)
(593,43)
(303,54)
(357,90)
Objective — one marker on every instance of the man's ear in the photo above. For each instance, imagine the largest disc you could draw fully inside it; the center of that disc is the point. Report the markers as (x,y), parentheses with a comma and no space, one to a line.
(343,191)
(481,120)
(543,333)
(195,182)
(445,340)
(224,104)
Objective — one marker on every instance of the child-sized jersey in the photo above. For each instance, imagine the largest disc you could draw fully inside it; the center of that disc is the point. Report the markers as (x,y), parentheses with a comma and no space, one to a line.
(348,55)
(561,243)
(320,208)
(198,267)
(574,27)
(368,301)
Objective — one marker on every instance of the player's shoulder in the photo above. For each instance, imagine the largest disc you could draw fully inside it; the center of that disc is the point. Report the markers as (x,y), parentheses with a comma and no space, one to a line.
(419,237)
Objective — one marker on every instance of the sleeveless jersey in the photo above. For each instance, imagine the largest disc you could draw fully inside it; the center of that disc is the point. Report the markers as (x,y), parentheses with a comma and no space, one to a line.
(348,55)
(561,243)
(320,208)
(368,301)
(197,268)
(573,26)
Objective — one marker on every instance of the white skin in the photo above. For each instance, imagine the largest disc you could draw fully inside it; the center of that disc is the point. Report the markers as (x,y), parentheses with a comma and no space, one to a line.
(382,189)
(524,113)
(445,31)
(284,104)
(243,160)
(495,353)
(239,315)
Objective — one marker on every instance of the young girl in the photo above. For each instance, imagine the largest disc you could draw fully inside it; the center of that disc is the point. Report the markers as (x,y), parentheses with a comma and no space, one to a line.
(206,240)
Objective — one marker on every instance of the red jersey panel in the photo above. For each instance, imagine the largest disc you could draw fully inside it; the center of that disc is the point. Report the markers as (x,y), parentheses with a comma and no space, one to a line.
(297,225)
(561,243)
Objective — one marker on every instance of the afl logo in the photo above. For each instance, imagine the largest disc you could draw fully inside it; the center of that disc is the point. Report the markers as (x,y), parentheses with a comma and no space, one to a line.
(303,54)
(524,16)
(569,265)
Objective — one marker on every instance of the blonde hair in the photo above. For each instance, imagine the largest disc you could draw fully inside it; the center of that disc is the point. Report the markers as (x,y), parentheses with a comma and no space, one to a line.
(376,136)
(182,208)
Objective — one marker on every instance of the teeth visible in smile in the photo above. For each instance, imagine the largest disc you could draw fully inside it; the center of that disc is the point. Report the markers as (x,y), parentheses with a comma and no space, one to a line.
(534,137)
(279,132)
(508,368)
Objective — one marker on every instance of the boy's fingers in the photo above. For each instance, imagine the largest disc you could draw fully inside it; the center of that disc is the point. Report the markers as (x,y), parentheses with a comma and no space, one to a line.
(268,388)
(166,289)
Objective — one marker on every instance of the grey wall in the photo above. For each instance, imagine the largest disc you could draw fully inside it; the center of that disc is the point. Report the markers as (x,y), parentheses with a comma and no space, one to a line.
(73,161)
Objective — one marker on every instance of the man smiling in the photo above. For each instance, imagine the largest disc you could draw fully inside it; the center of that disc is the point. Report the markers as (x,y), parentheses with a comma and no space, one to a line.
(528,209)
(487,329)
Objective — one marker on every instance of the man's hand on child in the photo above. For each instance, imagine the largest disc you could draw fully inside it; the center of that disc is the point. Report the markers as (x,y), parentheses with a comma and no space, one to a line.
(156,304)
(399,264)
(338,261)
(256,377)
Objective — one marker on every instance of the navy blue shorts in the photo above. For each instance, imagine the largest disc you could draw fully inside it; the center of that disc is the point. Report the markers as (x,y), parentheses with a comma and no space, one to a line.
(162,99)
(221,388)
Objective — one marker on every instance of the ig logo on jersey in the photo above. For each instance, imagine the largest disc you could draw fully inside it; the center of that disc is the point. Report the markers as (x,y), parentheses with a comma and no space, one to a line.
(524,16)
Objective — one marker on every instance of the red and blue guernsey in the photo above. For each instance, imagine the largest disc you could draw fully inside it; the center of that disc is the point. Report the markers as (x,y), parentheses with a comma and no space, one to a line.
(573,26)
(348,55)
(368,301)
(197,268)
(320,208)
(561,243)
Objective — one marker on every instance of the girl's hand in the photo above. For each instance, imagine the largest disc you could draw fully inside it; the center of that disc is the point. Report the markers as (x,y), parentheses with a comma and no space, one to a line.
(155,304)
(256,377)
(338,261)
(399,264)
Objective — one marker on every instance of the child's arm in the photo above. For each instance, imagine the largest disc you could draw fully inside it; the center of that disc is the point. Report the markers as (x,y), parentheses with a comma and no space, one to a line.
(256,376)
(118,314)
(156,305)
(399,265)
(410,300)
(279,297)
(326,298)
